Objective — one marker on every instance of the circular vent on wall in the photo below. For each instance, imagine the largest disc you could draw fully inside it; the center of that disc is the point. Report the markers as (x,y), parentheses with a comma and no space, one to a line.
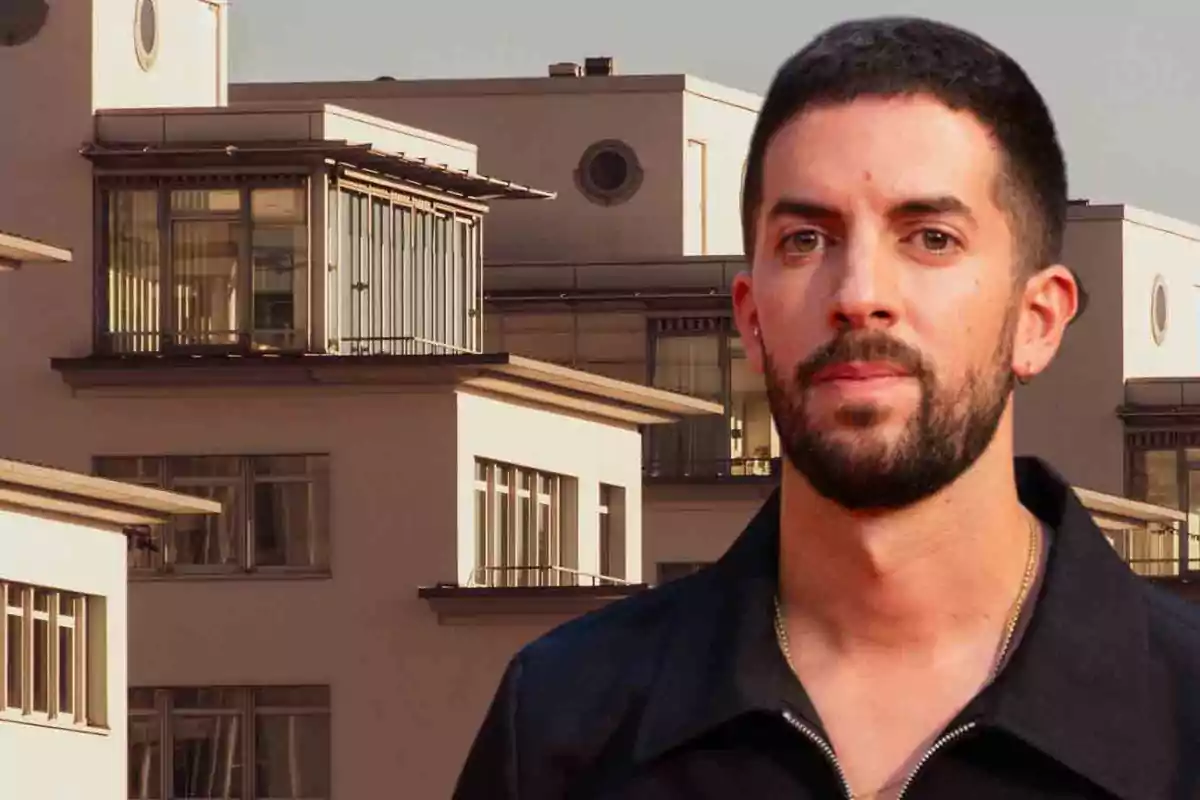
(146,32)
(1159,310)
(609,172)
(21,21)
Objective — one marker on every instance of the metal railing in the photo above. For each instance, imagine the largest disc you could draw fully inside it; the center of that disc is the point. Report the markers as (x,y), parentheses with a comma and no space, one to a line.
(551,575)
(685,469)
(1155,541)
(394,346)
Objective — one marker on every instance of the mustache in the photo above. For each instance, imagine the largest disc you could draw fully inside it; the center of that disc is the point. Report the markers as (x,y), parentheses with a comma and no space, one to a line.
(862,346)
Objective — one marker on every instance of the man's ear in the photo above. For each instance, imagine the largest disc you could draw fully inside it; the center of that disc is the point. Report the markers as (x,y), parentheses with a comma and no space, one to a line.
(1048,304)
(745,316)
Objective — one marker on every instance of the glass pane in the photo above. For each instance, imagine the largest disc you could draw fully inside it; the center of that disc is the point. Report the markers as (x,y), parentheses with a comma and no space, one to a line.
(129,469)
(145,758)
(207,756)
(185,467)
(204,263)
(284,466)
(690,364)
(292,697)
(66,671)
(67,604)
(1155,479)
(41,665)
(481,533)
(208,697)
(288,527)
(213,540)
(16,660)
(200,202)
(141,699)
(293,754)
(134,271)
(279,253)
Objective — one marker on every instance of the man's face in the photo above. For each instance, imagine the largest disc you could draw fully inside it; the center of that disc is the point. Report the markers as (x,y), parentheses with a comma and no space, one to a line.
(884,300)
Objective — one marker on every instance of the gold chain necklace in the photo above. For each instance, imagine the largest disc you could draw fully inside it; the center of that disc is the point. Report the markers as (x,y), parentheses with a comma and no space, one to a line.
(1010,629)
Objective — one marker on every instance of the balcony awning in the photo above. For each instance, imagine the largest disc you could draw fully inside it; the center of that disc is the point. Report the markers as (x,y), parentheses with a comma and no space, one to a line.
(459,182)
(17,250)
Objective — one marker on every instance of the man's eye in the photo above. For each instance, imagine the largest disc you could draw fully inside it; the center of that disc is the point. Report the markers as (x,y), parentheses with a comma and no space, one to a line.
(804,242)
(936,241)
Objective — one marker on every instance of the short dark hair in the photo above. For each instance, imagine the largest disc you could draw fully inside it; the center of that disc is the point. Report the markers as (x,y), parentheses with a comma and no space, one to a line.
(895,56)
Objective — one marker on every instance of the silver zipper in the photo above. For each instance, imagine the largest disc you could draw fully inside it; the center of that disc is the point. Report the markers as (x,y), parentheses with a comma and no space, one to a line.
(944,740)
(824,747)
(827,749)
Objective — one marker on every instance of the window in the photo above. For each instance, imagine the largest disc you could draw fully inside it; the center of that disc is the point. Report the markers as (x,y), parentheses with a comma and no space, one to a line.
(260,743)
(695,176)
(612,531)
(704,357)
(408,277)
(146,33)
(1163,468)
(523,531)
(275,518)
(194,267)
(609,173)
(53,654)
(672,570)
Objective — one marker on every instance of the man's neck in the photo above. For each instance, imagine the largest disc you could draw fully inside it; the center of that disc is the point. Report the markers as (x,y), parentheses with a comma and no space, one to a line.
(913,578)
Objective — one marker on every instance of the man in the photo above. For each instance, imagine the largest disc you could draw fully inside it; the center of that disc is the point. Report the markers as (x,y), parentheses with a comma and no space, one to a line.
(915,613)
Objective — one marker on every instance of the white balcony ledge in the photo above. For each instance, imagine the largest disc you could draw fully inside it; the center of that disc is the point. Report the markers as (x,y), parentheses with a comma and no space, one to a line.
(487,605)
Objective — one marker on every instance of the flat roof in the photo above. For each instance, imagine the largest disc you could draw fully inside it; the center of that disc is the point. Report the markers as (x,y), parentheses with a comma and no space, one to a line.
(468,87)
(501,374)
(419,171)
(99,502)
(1114,212)
(17,250)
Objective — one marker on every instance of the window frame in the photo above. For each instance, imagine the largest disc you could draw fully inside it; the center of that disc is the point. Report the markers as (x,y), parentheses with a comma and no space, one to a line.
(745,468)
(89,657)
(1179,441)
(167,331)
(543,525)
(246,708)
(317,475)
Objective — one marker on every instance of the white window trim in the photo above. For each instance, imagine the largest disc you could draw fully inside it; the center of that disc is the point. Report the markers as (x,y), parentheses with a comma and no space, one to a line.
(17,601)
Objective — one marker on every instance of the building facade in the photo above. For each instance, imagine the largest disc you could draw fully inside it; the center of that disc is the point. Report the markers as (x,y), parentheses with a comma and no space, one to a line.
(280,310)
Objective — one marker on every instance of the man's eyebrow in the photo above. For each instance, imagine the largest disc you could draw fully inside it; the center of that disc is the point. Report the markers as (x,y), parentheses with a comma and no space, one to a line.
(915,207)
(790,207)
(927,206)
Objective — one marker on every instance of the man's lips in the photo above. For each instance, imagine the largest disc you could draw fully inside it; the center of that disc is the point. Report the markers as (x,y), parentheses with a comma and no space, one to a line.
(860,371)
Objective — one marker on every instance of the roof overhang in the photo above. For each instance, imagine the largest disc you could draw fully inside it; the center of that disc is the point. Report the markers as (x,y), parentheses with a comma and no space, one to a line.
(281,154)
(18,250)
(95,502)
(1112,512)
(498,374)
(1161,401)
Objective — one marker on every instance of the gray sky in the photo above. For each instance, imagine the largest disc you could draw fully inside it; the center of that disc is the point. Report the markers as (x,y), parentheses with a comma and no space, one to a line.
(1124,90)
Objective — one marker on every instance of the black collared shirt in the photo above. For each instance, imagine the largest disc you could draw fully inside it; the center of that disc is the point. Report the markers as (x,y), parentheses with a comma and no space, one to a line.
(682,692)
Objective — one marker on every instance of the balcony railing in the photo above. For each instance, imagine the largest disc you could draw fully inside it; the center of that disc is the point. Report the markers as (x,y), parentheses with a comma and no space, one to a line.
(1155,541)
(677,469)
(496,577)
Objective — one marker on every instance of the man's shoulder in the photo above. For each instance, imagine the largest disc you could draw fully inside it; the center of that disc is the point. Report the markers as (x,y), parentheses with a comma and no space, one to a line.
(1174,628)
(613,637)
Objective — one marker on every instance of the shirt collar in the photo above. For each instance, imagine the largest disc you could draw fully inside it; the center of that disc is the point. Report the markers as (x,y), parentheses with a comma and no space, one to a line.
(1076,688)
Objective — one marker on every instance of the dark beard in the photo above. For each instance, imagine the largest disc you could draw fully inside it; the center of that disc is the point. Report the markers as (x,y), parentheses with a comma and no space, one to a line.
(947,433)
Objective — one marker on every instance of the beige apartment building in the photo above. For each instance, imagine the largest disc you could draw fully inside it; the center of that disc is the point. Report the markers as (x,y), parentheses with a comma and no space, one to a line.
(281,306)
(280,311)
(626,273)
